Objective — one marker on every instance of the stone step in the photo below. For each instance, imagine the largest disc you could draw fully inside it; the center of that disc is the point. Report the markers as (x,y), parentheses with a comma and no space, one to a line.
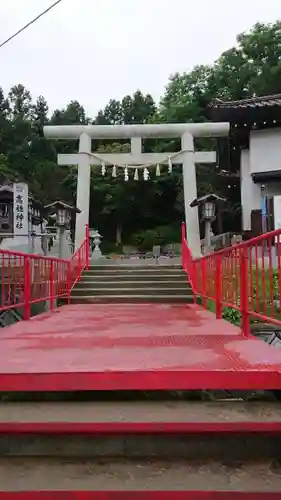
(127,284)
(231,414)
(132,298)
(136,271)
(141,430)
(124,446)
(132,290)
(134,277)
(141,267)
(58,476)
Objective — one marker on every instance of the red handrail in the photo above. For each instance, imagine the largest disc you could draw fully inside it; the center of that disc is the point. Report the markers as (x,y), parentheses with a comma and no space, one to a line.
(78,262)
(245,277)
(28,279)
(186,258)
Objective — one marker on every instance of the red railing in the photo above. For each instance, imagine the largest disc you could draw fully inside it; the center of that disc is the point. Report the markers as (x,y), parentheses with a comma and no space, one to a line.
(28,279)
(245,278)
(79,261)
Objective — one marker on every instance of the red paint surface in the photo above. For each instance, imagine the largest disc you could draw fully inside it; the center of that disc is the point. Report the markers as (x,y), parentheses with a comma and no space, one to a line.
(140,428)
(133,346)
(138,495)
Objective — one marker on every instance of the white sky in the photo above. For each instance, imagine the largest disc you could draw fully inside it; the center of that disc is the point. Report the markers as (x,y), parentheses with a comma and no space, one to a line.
(94,50)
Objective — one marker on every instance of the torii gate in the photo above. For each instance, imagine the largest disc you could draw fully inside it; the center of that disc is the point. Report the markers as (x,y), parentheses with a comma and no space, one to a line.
(187,157)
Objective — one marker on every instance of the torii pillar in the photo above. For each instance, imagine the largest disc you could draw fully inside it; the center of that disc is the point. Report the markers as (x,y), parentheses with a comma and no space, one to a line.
(83,188)
(187,157)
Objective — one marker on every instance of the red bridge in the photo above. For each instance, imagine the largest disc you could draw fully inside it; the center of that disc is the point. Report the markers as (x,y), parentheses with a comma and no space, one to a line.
(111,348)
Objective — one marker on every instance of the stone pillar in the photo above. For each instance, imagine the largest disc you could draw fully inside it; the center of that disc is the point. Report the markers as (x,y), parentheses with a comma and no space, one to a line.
(190,193)
(250,192)
(136,146)
(83,188)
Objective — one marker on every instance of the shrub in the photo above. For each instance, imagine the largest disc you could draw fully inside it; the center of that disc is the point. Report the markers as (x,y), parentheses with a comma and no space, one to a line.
(161,235)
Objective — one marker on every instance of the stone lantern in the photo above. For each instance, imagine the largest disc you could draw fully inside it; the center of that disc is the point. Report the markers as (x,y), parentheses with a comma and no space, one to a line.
(63,214)
(95,238)
(207,205)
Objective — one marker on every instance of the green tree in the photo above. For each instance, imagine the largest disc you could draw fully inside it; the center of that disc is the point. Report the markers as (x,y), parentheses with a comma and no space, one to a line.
(6,172)
(111,115)
(186,96)
(19,136)
(73,114)
(20,102)
(138,108)
(5,124)
(40,114)
(251,68)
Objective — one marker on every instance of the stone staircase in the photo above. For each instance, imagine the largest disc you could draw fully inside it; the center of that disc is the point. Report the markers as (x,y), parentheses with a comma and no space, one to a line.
(135,283)
(137,444)
(116,448)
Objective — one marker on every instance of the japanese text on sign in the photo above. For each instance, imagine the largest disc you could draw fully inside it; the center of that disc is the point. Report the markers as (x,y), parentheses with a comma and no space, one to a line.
(19,211)
(20,208)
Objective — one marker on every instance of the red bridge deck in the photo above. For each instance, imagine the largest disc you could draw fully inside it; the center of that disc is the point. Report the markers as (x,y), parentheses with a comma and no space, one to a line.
(133,347)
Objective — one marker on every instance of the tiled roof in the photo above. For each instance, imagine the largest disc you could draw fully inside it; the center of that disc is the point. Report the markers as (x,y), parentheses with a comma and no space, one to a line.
(253,102)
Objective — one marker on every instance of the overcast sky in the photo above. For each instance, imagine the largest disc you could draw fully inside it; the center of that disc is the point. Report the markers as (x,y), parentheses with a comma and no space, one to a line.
(94,50)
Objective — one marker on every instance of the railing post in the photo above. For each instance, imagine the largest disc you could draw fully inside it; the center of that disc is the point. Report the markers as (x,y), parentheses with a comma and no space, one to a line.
(183,238)
(204,282)
(79,263)
(52,285)
(68,282)
(27,287)
(87,246)
(194,281)
(244,287)
(218,285)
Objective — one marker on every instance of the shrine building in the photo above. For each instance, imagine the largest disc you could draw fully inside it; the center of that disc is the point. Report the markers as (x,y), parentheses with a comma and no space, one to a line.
(254,150)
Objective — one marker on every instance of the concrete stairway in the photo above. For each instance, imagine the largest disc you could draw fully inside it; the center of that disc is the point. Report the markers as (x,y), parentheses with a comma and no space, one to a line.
(121,284)
(141,446)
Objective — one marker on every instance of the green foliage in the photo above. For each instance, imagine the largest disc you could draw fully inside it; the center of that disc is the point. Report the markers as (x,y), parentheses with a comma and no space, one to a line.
(231,315)
(261,296)
(6,172)
(161,235)
(109,248)
(138,108)
(145,240)
(122,209)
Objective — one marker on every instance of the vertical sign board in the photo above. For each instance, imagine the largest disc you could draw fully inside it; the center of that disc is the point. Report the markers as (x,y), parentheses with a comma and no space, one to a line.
(21,210)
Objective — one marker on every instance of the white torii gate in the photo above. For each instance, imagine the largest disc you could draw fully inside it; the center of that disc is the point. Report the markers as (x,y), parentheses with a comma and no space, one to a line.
(187,157)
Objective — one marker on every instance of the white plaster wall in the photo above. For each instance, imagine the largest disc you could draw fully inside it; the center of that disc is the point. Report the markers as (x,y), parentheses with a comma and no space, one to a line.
(250,192)
(277,211)
(265,150)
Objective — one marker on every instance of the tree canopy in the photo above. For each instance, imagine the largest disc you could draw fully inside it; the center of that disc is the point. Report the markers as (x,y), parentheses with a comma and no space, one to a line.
(120,209)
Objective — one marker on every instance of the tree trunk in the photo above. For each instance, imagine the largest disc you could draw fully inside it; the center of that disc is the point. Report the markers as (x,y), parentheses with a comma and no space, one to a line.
(119,234)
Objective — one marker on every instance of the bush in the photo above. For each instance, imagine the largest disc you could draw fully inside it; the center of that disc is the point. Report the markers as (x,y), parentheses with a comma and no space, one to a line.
(108,247)
(161,235)
(231,315)
(145,240)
